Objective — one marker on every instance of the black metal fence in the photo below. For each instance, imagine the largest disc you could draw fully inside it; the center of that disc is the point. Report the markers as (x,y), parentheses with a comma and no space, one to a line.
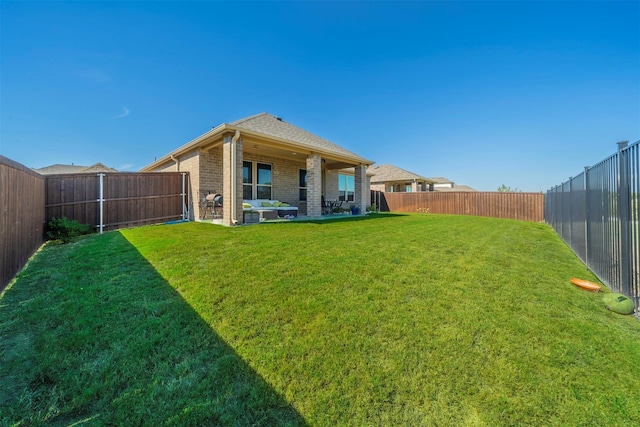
(596,214)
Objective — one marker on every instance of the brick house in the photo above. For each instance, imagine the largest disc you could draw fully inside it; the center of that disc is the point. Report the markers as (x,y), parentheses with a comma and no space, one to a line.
(264,157)
(392,179)
(389,178)
(445,184)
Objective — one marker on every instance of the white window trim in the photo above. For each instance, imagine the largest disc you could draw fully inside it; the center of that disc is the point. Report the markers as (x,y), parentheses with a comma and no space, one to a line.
(254,175)
(346,183)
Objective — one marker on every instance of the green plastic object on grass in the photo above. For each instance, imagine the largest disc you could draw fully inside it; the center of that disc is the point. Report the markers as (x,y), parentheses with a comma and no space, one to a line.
(618,303)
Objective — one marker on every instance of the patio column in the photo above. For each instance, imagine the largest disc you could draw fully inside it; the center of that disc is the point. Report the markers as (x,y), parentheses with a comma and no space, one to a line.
(414,186)
(232,180)
(314,185)
(362,194)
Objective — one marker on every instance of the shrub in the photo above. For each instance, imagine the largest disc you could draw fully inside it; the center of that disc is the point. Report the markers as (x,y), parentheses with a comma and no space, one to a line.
(65,229)
(372,209)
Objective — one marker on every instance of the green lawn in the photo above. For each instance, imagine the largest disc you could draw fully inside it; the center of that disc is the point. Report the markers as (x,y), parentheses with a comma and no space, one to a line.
(385,320)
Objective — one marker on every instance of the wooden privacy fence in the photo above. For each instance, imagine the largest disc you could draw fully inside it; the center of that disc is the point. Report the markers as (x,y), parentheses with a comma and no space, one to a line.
(522,206)
(21,217)
(117,200)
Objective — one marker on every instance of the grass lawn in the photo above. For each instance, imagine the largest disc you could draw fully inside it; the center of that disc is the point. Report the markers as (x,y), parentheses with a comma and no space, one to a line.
(384,320)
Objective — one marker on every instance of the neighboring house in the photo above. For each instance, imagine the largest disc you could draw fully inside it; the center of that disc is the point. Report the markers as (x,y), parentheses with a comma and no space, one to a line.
(393,179)
(66,169)
(264,157)
(444,184)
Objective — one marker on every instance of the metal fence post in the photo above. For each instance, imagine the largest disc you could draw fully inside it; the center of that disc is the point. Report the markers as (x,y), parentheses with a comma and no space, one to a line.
(624,217)
(587,215)
(561,211)
(570,213)
(101,202)
(184,196)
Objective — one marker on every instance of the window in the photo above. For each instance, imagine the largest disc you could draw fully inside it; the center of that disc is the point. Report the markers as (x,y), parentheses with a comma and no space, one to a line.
(263,187)
(247,180)
(256,180)
(346,187)
(303,185)
(407,188)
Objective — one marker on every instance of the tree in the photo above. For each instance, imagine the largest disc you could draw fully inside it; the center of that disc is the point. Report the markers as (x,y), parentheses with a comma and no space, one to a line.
(504,189)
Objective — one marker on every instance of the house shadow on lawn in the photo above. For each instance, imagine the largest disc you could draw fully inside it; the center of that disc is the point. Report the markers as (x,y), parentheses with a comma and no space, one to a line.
(138,354)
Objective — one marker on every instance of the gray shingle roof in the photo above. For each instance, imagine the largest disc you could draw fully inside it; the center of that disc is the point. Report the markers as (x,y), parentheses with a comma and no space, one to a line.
(441,180)
(65,169)
(268,124)
(386,173)
(456,187)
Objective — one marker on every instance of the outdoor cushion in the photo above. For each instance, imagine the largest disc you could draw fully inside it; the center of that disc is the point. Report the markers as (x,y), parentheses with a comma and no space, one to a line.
(618,303)
(265,204)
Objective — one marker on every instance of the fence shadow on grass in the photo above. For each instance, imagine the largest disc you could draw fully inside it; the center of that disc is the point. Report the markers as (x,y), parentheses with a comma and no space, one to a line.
(127,349)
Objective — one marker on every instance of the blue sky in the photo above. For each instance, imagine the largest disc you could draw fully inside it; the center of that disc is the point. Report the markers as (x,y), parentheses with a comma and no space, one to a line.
(484,93)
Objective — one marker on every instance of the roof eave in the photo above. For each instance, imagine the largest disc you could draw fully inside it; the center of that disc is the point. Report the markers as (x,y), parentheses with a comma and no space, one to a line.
(223,128)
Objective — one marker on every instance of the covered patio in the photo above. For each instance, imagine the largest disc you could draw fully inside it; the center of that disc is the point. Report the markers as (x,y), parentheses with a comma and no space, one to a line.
(264,157)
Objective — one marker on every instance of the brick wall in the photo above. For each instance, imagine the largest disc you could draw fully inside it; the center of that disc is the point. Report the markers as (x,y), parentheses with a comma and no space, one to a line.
(285,175)
(211,170)
(331,185)
(362,184)
(207,174)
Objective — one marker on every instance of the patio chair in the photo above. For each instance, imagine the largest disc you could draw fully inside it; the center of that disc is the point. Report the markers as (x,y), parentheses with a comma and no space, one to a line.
(326,206)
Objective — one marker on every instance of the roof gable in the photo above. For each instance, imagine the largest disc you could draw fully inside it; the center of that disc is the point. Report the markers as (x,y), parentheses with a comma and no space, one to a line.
(271,125)
(266,126)
(386,173)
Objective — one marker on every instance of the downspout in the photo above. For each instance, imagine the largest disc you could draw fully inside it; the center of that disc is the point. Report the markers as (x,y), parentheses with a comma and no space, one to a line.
(233,177)
(177,162)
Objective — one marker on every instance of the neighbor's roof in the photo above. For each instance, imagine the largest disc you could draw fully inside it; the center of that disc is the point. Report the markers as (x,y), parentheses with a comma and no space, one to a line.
(441,180)
(456,187)
(266,125)
(66,169)
(387,173)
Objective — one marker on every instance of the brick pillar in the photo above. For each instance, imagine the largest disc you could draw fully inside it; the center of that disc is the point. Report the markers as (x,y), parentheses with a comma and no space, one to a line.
(362,194)
(314,185)
(415,186)
(228,186)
